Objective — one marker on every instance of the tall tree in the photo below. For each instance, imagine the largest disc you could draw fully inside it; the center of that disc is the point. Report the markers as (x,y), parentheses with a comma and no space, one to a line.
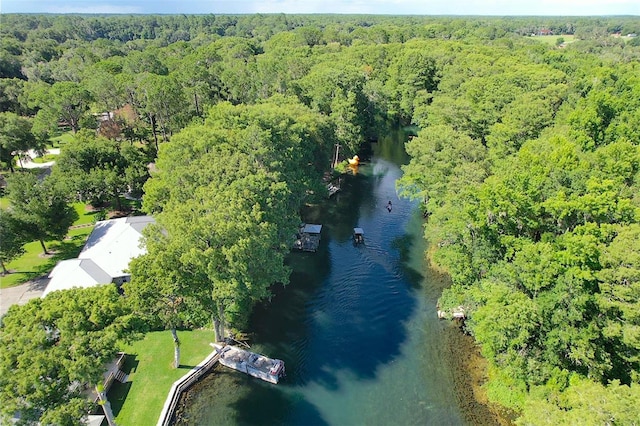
(16,138)
(13,238)
(619,300)
(41,206)
(97,169)
(64,101)
(160,100)
(243,175)
(56,347)
(165,292)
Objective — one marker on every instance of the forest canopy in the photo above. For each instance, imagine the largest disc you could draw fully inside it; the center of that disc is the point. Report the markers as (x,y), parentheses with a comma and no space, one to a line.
(526,164)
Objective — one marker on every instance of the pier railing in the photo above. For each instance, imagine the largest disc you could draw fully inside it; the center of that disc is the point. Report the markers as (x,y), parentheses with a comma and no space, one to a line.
(183,384)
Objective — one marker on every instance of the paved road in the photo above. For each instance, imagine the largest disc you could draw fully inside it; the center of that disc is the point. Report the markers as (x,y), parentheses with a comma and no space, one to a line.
(21,294)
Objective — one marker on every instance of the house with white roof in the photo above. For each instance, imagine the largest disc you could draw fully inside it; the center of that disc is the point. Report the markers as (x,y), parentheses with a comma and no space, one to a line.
(105,256)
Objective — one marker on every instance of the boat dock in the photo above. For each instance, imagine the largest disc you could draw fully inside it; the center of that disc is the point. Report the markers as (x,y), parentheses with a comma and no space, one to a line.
(256,365)
(458,313)
(332,189)
(308,238)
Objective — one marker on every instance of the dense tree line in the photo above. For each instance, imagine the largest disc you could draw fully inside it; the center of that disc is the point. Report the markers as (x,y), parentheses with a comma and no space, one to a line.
(526,164)
(530,172)
(226,199)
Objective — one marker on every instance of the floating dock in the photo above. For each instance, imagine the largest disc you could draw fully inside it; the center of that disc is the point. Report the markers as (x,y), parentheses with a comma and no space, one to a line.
(256,365)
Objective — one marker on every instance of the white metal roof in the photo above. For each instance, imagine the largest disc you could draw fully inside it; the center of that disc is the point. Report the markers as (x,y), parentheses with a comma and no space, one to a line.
(113,243)
(310,228)
(105,256)
(76,273)
(94,420)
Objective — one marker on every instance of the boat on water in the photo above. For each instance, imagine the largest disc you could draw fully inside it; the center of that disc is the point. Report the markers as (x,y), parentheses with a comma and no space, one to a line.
(256,365)
(358,235)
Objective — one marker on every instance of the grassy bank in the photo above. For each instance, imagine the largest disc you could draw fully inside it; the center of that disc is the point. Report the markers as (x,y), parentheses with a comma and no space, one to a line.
(140,400)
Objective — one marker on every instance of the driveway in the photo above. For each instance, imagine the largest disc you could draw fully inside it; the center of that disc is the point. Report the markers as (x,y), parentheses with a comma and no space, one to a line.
(21,294)
(27,163)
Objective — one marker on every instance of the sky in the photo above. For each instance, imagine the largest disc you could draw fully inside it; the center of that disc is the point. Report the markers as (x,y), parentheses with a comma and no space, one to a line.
(391,7)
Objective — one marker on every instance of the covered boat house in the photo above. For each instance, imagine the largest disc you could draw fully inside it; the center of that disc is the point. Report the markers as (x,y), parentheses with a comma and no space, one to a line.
(308,237)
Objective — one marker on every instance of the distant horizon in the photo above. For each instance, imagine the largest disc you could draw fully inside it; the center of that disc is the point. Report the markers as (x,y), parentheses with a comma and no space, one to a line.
(312,13)
(469,8)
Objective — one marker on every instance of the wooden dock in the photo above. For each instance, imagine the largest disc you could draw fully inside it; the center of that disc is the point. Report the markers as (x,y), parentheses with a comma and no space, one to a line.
(308,238)
(333,189)
(458,313)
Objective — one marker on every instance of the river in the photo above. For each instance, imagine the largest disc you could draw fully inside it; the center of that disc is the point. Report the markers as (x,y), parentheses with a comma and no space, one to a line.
(356,325)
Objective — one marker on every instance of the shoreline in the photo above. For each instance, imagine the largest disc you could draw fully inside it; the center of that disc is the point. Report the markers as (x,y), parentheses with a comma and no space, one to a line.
(469,371)
(467,367)
(466,363)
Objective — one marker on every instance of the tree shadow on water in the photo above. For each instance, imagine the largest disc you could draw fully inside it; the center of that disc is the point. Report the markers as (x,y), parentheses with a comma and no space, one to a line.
(268,404)
(228,397)
(404,245)
(342,317)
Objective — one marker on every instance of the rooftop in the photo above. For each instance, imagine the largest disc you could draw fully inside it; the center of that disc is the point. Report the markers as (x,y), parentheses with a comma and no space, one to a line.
(105,256)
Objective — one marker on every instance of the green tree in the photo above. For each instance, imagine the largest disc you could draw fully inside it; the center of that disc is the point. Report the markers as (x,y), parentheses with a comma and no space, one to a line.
(619,300)
(41,207)
(164,290)
(338,93)
(443,161)
(56,347)
(16,138)
(585,403)
(104,88)
(96,169)
(11,93)
(160,100)
(13,239)
(243,175)
(412,74)
(64,101)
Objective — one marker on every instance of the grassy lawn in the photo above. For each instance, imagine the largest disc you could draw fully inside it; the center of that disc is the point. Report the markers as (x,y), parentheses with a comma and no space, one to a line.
(84,216)
(140,400)
(61,140)
(33,264)
(45,158)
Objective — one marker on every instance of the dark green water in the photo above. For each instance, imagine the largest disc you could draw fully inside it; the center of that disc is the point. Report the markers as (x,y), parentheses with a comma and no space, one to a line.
(356,326)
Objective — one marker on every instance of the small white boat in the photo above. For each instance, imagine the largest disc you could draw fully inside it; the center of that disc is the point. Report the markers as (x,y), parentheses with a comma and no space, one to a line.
(256,365)
(358,235)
